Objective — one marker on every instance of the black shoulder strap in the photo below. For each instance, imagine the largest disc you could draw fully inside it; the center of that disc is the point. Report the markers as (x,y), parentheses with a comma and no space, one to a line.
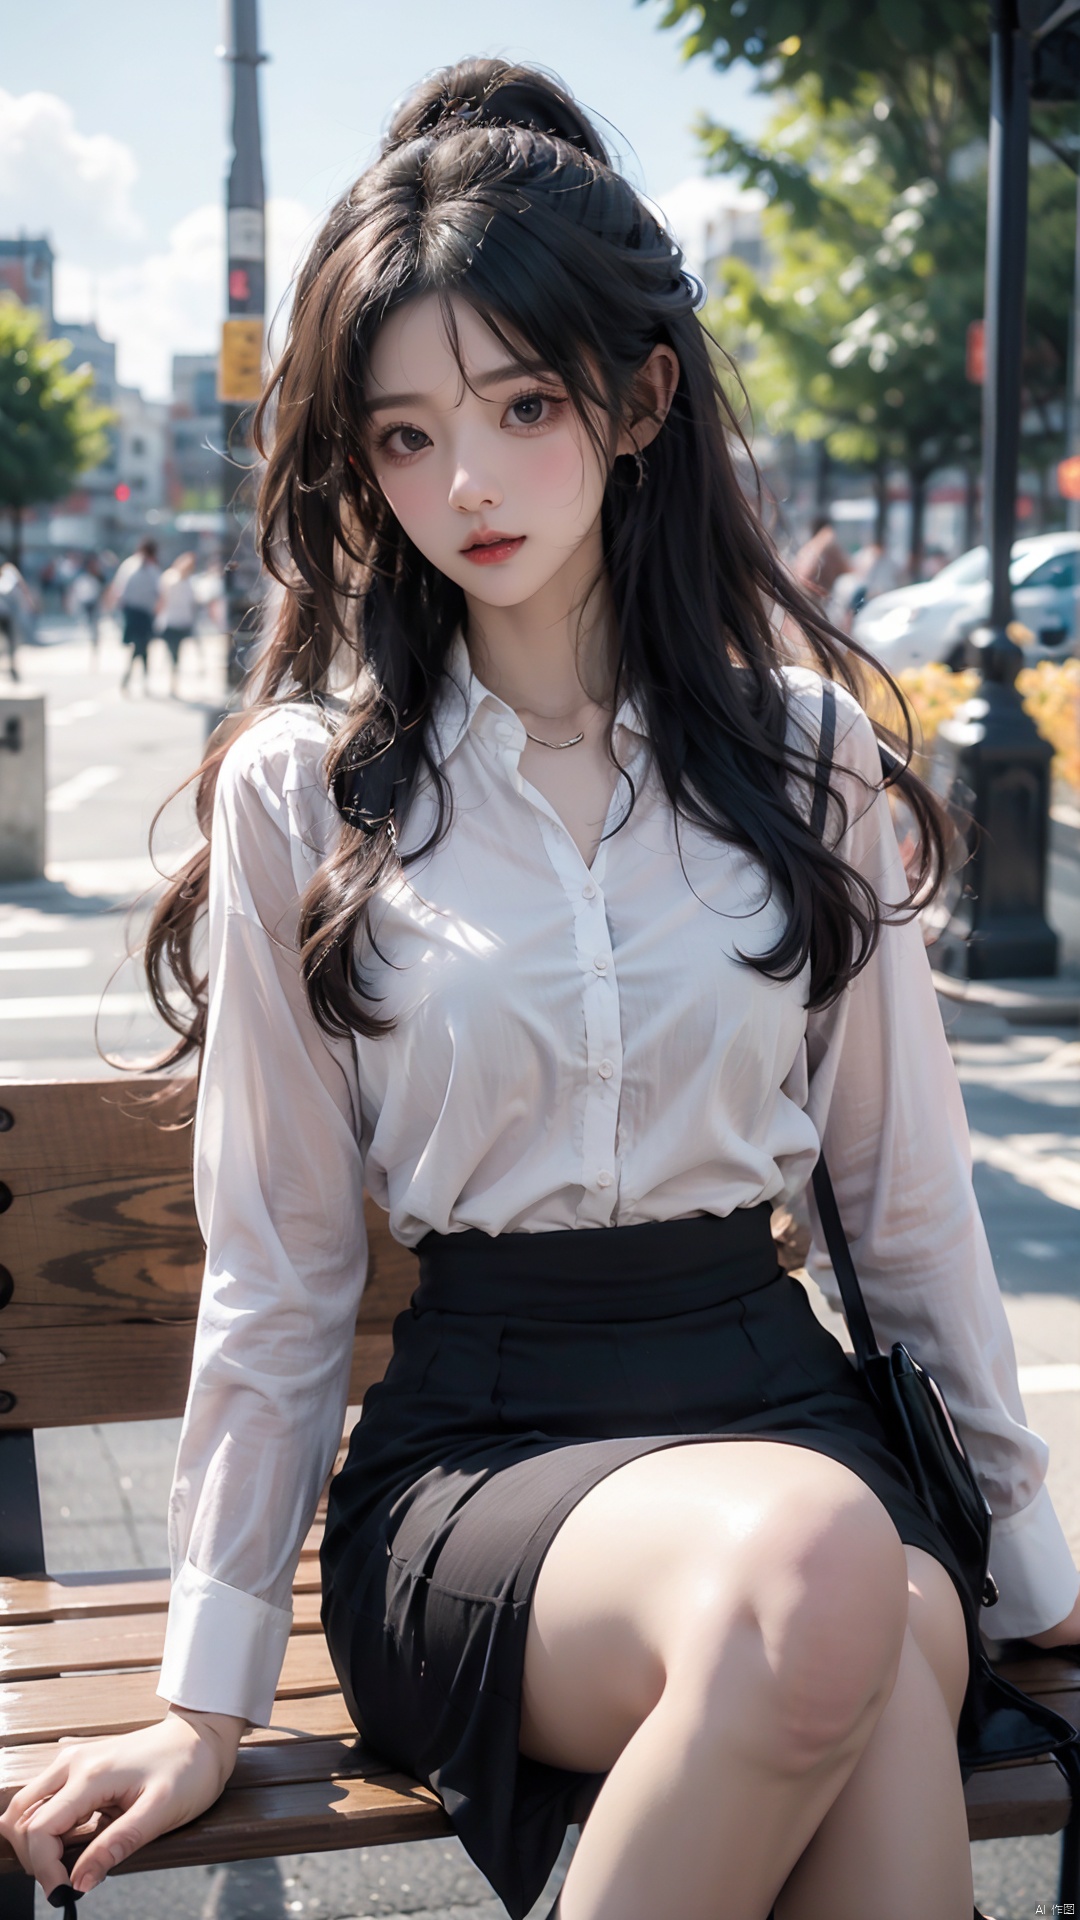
(855,1313)
(826,738)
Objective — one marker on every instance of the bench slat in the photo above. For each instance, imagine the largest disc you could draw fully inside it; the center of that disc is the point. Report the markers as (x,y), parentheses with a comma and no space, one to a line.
(1007,1801)
(315,1817)
(29,1602)
(85,1129)
(122,1640)
(304,1817)
(64,1376)
(257,1765)
(91,1703)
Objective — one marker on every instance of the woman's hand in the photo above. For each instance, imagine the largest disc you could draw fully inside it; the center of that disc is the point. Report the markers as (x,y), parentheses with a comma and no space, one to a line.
(1065,1634)
(144,1783)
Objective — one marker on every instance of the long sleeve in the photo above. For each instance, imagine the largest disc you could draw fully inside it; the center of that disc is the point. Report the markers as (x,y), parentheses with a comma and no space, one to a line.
(887,1105)
(278,1181)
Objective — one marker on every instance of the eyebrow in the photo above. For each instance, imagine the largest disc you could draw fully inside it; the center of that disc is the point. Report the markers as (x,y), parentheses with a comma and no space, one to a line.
(510,370)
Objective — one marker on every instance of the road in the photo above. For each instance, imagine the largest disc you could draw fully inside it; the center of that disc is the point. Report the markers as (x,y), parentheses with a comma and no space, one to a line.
(113,759)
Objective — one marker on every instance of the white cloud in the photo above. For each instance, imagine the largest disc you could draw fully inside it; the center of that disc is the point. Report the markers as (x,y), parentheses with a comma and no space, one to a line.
(171,302)
(76,187)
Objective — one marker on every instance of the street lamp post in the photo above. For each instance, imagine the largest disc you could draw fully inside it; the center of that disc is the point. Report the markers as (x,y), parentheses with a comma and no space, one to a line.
(991,754)
(241,362)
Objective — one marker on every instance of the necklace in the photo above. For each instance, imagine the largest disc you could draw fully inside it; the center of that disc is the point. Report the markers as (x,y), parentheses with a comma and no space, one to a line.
(557,746)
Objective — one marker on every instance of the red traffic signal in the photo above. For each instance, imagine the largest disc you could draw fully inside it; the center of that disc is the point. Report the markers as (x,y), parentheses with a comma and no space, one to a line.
(122,491)
(975,357)
(1068,477)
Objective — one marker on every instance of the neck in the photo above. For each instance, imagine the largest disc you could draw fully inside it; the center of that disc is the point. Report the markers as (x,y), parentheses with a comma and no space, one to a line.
(549,657)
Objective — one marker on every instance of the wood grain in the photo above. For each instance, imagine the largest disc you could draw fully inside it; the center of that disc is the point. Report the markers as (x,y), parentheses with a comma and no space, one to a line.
(301,1816)
(91,1596)
(85,1129)
(104,1256)
(101,1645)
(257,1765)
(320,1718)
(1004,1802)
(82,1704)
(62,1376)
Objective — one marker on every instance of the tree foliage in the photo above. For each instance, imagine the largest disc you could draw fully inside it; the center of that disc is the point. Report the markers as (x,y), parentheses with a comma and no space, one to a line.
(50,429)
(873,173)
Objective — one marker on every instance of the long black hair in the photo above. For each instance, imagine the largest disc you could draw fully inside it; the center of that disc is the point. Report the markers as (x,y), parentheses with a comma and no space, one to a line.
(494,187)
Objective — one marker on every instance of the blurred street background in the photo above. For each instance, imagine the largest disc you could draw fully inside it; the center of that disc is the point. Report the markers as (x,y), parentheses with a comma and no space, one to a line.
(829,186)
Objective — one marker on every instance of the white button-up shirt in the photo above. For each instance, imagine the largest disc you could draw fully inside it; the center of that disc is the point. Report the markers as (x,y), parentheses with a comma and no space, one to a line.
(573,1047)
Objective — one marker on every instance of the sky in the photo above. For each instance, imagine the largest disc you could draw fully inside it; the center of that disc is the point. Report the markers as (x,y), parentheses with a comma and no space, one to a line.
(112,131)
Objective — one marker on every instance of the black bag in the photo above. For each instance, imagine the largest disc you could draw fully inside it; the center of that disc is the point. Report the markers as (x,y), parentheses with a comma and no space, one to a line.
(914,1415)
(998,1721)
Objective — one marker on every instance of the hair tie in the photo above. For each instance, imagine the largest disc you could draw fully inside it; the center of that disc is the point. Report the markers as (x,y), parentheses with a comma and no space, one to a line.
(64,1896)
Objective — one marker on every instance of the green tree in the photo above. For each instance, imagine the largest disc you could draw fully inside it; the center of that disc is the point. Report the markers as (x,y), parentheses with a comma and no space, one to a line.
(857,327)
(857,330)
(50,429)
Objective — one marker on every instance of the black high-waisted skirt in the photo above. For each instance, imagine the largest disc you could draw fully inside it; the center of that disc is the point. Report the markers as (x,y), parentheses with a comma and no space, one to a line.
(529,1367)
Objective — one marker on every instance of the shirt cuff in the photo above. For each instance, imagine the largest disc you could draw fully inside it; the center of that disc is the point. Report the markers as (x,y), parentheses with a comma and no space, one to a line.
(1032,1563)
(223,1649)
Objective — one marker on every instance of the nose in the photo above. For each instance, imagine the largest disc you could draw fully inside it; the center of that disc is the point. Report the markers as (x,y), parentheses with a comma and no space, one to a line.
(472,491)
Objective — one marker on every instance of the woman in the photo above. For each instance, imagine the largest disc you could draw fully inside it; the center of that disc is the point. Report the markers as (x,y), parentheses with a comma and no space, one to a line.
(177,611)
(515,914)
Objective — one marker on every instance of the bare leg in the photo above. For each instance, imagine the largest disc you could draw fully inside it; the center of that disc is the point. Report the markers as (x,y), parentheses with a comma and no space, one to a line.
(718,1627)
(895,1841)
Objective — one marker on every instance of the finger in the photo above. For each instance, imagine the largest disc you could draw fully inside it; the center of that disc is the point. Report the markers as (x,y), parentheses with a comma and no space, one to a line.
(119,1840)
(44,1829)
(38,1789)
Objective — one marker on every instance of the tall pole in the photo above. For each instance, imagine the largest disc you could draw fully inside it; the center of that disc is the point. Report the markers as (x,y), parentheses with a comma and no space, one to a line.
(241,365)
(1006,280)
(995,762)
(1072,443)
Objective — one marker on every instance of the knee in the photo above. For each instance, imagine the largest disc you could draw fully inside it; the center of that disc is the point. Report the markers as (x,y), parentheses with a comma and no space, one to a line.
(832,1624)
(808,1666)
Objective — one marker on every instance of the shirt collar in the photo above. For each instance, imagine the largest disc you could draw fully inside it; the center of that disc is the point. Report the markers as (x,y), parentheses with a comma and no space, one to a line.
(462,695)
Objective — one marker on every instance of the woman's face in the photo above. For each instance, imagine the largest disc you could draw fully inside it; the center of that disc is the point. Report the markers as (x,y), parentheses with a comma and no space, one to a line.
(493,477)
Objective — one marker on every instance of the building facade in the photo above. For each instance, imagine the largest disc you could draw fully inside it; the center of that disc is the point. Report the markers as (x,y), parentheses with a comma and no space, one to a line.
(26,270)
(196,467)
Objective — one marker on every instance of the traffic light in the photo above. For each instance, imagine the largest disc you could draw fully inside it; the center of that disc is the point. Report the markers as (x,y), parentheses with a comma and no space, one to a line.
(122,491)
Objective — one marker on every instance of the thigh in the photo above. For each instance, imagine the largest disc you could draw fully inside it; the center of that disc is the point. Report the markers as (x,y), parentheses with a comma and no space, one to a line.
(937,1626)
(672,1556)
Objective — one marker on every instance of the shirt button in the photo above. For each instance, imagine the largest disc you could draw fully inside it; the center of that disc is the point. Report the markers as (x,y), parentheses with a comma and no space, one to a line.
(588,891)
(600,963)
(605,1069)
(603,1179)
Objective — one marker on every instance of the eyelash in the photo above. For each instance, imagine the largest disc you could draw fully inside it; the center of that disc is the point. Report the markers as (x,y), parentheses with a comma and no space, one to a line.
(554,402)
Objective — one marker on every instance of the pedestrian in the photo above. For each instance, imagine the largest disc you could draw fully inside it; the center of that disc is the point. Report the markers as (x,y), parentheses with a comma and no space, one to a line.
(821,562)
(134,592)
(16,613)
(521,911)
(876,570)
(86,596)
(177,610)
(872,572)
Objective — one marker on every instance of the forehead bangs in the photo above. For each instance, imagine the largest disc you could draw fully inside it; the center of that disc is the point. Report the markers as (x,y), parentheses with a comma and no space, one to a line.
(556,255)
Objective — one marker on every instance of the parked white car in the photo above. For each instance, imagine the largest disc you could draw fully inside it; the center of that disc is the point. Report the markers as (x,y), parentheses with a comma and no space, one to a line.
(931,621)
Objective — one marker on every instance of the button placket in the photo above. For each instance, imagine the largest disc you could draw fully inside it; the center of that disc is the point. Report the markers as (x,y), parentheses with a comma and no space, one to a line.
(601,1091)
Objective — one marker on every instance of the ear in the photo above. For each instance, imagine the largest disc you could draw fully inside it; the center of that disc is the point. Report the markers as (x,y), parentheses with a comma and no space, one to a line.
(654,391)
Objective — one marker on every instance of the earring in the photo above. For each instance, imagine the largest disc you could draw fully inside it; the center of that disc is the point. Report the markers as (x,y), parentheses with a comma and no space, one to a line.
(639,462)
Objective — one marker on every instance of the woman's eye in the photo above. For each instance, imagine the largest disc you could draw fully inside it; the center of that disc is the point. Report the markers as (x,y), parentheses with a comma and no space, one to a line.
(528,410)
(401,441)
(532,409)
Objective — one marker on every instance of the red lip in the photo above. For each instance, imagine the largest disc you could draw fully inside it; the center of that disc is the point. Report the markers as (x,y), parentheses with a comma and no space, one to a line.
(486,549)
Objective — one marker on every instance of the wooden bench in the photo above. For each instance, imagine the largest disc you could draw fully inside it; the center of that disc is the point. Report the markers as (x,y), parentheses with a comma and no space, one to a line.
(99,1282)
